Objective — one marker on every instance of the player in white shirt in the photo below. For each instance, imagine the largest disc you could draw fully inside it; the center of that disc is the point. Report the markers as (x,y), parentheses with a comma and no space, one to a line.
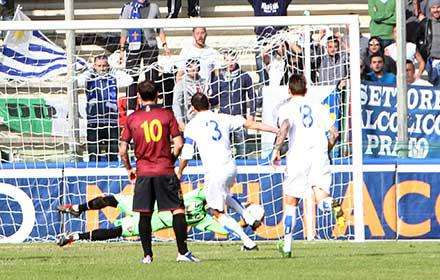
(209,58)
(307,164)
(210,132)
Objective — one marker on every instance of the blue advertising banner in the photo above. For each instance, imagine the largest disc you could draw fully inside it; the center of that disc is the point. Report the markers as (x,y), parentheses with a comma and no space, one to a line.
(417,197)
(404,205)
(418,200)
(27,208)
(379,121)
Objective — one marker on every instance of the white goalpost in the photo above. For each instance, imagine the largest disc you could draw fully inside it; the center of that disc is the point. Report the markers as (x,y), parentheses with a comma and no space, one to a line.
(43,128)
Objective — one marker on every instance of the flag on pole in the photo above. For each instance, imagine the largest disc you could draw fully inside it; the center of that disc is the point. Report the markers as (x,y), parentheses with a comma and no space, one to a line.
(30,55)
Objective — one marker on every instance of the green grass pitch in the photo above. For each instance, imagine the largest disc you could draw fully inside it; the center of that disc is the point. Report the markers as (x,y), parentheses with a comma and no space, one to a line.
(311,260)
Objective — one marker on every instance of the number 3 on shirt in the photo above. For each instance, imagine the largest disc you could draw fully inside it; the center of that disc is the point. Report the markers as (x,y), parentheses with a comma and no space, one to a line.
(152,130)
(306,114)
(217,134)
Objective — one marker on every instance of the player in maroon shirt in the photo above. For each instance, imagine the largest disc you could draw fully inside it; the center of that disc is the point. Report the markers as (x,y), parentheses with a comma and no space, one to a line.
(152,129)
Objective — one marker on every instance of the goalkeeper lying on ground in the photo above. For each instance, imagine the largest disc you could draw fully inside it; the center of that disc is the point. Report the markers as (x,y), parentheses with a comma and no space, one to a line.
(195,212)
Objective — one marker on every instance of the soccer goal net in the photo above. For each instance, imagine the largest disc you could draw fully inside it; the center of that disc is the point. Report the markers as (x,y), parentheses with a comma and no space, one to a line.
(64,99)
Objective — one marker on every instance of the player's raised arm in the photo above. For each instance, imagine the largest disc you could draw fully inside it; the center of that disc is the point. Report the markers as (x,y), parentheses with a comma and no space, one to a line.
(251,124)
(279,140)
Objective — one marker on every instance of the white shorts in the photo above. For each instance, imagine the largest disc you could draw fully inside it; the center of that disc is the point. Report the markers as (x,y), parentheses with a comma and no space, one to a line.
(307,171)
(217,185)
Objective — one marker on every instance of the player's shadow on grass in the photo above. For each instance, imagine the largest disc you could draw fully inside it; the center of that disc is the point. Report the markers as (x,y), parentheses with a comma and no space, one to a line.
(334,254)
(42,258)
(388,254)
(247,257)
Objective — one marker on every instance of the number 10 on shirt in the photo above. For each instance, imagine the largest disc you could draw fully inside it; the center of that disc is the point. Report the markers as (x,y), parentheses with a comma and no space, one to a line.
(152,130)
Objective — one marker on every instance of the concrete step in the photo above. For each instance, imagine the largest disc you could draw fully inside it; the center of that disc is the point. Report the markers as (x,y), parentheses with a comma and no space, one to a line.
(212,11)
(180,33)
(204,4)
(100,9)
(218,37)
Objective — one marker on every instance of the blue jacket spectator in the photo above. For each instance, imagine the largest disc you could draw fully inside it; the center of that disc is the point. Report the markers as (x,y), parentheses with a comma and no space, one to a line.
(231,91)
(377,73)
(101,87)
(102,97)
(386,78)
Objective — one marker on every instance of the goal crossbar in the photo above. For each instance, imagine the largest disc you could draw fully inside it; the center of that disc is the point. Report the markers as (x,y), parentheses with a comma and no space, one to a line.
(176,23)
(303,22)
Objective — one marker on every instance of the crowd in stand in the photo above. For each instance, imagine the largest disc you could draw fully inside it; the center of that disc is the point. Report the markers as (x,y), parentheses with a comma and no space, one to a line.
(423,41)
(201,68)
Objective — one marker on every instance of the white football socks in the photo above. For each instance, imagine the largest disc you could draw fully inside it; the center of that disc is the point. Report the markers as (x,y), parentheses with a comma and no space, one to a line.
(289,225)
(229,223)
(236,205)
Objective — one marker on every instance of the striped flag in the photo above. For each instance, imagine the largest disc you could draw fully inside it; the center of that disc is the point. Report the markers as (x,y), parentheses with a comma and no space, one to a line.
(30,55)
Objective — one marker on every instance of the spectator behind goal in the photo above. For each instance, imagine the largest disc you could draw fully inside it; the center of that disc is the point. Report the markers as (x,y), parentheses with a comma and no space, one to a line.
(411,53)
(233,91)
(375,48)
(331,64)
(267,8)
(281,60)
(208,57)
(412,78)
(141,44)
(174,7)
(383,18)
(101,87)
(183,91)
(377,73)
(429,42)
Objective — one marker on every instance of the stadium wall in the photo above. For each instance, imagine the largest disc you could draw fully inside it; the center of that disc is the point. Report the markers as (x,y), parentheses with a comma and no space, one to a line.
(401,200)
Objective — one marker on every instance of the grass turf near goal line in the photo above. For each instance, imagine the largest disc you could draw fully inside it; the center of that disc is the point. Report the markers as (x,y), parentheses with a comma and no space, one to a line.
(311,260)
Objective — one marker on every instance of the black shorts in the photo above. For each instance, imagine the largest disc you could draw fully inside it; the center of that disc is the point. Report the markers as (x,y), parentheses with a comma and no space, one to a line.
(163,189)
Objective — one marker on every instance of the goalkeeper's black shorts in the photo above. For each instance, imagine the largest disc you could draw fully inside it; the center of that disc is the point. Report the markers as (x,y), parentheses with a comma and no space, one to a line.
(163,189)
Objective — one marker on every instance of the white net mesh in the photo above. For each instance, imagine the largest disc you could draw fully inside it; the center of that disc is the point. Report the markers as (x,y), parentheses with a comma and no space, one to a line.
(36,133)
